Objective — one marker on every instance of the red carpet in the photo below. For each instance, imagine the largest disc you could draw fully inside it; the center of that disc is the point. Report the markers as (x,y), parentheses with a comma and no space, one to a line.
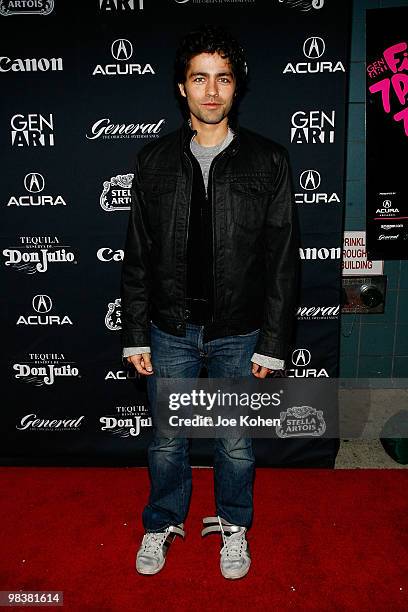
(322,540)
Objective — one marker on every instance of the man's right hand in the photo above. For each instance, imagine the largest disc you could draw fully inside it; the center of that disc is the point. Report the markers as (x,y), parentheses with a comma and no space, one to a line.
(142,363)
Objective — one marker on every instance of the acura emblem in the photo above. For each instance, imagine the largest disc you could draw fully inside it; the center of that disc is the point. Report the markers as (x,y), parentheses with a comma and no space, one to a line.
(314,47)
(42,303)
(309,180)
(301,357)
(121,49)
(34,182)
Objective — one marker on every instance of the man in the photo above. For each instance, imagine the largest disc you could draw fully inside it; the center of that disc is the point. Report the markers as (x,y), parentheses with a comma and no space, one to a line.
(209,278)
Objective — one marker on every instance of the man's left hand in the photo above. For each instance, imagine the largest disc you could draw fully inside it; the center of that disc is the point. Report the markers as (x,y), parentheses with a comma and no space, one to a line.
(260,371)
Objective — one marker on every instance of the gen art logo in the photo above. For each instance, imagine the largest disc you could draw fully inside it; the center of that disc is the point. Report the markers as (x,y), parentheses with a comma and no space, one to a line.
(120,6)
(32,130)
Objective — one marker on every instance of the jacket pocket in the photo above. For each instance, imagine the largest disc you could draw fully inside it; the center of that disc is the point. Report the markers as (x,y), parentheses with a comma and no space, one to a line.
(249,200)
(159,194)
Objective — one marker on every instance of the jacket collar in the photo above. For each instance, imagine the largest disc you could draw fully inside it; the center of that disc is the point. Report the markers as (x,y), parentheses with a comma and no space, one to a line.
(187,132)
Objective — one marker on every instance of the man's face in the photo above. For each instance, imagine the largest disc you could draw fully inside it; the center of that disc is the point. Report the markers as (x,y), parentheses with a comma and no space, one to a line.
(209,87)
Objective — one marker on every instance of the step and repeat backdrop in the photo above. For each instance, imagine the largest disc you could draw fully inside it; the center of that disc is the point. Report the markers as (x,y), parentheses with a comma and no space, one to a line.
(84,87)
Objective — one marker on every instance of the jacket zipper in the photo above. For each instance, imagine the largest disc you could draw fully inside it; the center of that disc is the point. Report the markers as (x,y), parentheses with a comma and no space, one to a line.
(210,183)
(188,227)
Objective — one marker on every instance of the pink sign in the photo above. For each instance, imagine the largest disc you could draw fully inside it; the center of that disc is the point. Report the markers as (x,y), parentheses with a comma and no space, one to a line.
(393,89)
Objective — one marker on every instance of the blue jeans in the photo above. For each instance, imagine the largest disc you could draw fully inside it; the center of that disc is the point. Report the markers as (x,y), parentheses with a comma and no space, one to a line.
(169,466)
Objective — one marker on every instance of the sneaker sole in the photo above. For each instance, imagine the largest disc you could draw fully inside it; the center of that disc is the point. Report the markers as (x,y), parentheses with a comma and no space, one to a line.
(236,576)
(147,572)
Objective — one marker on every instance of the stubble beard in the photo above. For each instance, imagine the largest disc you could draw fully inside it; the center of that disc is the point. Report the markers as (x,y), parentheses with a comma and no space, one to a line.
(210,117)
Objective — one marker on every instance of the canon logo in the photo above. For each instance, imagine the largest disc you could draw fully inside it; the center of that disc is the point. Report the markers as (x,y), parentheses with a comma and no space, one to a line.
(30,65)
(322,253)
(107,254)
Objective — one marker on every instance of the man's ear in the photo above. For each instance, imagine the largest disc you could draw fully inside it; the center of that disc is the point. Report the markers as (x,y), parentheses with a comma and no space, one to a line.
(182,90)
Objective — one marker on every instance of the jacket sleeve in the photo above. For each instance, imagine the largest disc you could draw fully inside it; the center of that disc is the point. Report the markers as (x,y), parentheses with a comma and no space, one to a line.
(281,265)
(136,274)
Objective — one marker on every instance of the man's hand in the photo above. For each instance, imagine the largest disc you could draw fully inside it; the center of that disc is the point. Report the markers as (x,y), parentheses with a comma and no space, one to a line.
(260,371)
(142,363)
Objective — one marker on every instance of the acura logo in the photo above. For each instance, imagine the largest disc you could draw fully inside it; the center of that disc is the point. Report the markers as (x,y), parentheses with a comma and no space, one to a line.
(301,357)
(42,303)
(309,180)
(387,203)
(121,49)
(314,47)
(34,182)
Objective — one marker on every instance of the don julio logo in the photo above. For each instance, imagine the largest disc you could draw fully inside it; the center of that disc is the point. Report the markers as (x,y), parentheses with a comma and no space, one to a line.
(36,253)
(129,421)
(26,7)
(303,5)
(44,368)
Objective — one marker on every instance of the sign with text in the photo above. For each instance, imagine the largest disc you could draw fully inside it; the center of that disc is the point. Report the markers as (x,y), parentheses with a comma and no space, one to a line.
(387,133)
(355,260)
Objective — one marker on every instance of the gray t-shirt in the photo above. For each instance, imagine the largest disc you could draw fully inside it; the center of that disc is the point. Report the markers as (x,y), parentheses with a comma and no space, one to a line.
(205,155)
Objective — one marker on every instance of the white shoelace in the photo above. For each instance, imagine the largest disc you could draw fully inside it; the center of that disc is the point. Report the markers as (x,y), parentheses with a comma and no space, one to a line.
(233,544)
(152,542)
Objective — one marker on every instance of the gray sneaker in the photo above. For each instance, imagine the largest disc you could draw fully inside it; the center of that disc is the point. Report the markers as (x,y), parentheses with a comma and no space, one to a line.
(151,555)
(235,556)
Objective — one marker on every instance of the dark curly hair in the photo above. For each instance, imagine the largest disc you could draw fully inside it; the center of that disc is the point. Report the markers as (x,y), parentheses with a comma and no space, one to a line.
(210,39)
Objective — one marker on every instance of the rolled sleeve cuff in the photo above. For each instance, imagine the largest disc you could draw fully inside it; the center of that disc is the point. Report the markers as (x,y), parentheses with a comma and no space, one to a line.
(268,362)
(135,350)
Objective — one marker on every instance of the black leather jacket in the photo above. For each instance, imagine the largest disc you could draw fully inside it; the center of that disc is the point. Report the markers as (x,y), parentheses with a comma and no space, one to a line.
(255,241)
